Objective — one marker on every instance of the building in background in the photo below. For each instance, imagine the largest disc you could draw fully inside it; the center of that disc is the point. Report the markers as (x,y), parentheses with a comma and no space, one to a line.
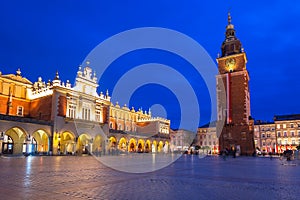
(60,118)
(207,138)
(181,140)
(265,137)
(235,124)
(287,131)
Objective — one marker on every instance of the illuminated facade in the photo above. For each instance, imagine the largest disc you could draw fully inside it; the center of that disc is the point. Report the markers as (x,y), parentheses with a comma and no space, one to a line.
(58,118)
(181,140)
(207,139)
(265,137)
(278,136)
(287,132)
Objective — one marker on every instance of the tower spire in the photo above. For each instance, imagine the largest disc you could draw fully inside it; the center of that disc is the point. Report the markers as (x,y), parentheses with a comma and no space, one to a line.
(229,18)
(231,44)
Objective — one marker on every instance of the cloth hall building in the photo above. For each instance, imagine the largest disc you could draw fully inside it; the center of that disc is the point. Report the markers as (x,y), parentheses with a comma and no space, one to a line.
(58,118)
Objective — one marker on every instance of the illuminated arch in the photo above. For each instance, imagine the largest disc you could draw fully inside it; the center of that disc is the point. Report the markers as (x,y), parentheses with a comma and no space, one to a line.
(42,141)
(160,146)
(112,142)
(166,147)
(83,144)
(154,146)
(132,145)
(122,144)
(141,145)
(18,140)
(148,146)
(98,144)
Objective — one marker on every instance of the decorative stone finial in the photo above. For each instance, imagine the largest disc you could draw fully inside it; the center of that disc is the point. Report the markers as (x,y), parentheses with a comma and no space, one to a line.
(18,72)
(56,76)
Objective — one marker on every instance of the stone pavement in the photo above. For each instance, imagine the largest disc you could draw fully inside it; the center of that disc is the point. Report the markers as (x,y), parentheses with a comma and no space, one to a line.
(63,177)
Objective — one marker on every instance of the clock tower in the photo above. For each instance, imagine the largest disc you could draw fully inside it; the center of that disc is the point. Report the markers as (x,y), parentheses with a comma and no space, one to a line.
(235,125)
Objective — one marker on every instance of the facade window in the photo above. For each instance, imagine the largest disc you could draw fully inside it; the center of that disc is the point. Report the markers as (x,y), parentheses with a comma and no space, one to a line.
(292,133)
(293,142)
(263,135)
(268,135)
(71,111)
(284,134)
(279,142)
(98,115)
(284,125)
(285,142)
(292,125)
(262,128)
(278,134)
(110,125)
(20,110)
(264,144)
(299,133)
(86,114)
(120,127)
(278,126)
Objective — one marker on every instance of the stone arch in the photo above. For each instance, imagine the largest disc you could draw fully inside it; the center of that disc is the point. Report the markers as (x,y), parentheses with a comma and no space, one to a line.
(122,144)
(98,144)
(160,146)
(166,147)
(141,145)
(40,141)
(18,140)
(112,142)
(64,142)
(83,144)
(148,146)
(132,145)
(154,146)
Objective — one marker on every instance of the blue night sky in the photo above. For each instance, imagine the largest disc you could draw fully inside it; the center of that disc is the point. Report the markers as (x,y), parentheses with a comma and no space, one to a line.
(41,37)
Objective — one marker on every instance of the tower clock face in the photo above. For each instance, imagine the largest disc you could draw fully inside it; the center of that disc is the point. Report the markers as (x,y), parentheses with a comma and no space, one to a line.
(230,63)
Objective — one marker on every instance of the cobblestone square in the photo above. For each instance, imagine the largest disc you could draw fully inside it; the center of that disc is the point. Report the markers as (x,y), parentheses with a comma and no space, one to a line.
(190,177)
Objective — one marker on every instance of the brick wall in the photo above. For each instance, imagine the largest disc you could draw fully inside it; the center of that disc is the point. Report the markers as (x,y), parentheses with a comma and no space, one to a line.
(41,108)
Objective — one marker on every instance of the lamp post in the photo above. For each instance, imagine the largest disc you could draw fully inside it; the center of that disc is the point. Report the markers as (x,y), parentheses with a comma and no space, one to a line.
(1,142)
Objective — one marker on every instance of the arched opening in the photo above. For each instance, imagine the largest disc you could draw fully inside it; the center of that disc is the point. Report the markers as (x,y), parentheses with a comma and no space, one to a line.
(160,146)
(98,146)
(40,142)
(141,145)
(15,141)
(132,145)
(83,144)
(154,147)
(147,146)
(65,143)
(122,145)
(166,147)
(112,145)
